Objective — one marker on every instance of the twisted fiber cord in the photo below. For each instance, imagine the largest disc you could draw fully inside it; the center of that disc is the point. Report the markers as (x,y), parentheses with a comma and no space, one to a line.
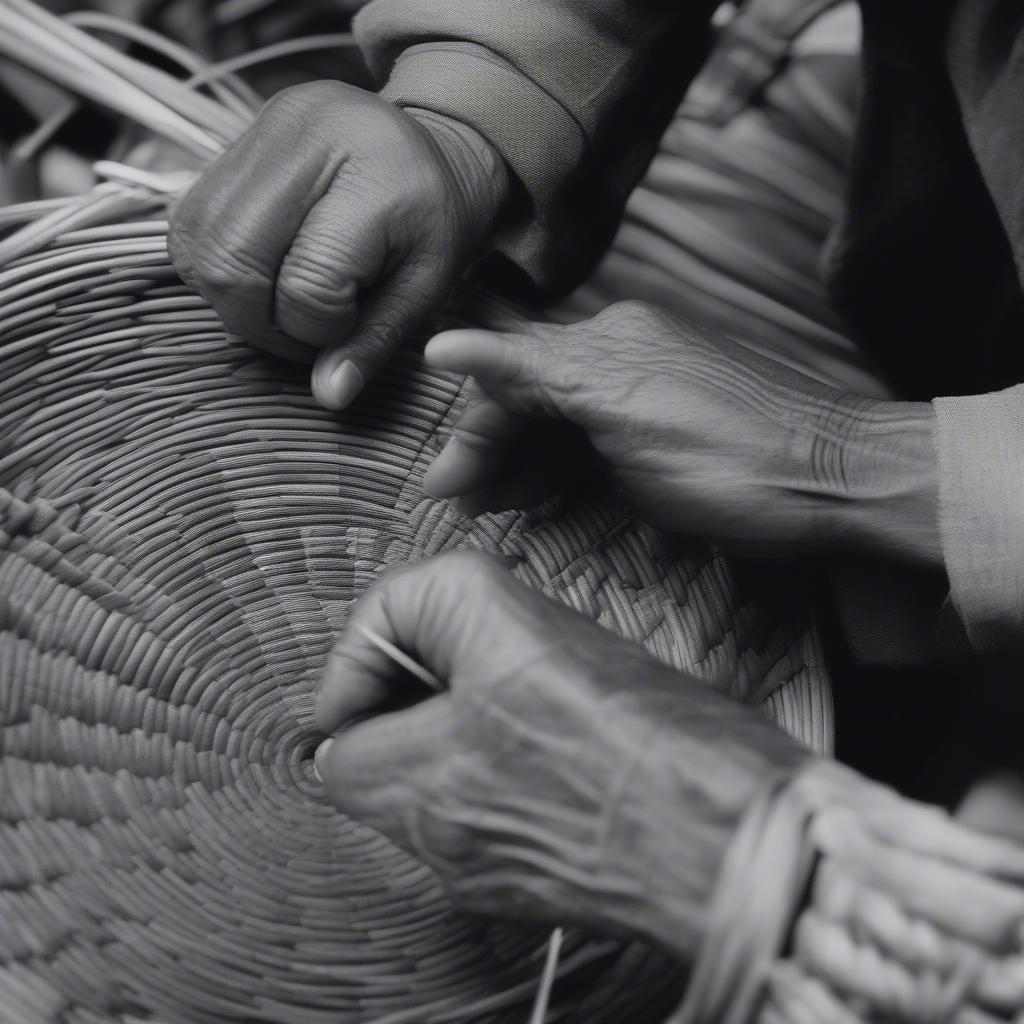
(182,533)
(900,914)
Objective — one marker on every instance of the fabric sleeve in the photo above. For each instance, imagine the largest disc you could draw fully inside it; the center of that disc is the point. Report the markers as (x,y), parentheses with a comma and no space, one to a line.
(985,62)
(574,94)
(980,442)
(981,438)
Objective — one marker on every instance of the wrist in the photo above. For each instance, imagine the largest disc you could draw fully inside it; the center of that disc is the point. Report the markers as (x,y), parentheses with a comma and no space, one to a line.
(669,830)
(882,493)
(478,172)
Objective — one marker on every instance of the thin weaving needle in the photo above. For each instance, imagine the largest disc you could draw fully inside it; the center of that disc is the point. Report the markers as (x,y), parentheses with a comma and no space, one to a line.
(547,978)
(401,658)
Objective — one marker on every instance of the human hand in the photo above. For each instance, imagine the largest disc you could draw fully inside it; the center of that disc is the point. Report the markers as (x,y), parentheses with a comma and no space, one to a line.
(995,805)
(334,225)
(703,435)
(565,775)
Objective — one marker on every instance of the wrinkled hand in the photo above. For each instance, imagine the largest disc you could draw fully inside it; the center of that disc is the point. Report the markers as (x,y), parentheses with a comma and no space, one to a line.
(335,224)
(565,776)
(703,435)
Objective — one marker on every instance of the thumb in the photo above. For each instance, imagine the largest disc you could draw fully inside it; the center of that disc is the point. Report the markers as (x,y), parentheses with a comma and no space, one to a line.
(388,315)
(372,770)
(530,372)
(474,456)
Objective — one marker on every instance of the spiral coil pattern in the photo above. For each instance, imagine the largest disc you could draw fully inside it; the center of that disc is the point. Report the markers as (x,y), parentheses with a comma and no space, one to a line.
(182,533)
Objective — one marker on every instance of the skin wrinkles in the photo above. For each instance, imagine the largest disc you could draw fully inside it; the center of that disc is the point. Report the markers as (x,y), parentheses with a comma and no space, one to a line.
(706,437)
(337,222)
(546,778)
(538,784)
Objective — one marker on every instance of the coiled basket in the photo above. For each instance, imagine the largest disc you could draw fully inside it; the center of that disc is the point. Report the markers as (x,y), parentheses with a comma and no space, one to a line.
(182,534)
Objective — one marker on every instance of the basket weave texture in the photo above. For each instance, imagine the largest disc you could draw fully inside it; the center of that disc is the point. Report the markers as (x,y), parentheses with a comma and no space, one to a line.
(183,534)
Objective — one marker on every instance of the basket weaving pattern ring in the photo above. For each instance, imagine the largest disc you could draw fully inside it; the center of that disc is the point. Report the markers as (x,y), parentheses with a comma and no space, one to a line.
(182,533)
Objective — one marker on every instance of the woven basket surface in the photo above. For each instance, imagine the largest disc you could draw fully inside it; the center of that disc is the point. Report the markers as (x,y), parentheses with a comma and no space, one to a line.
(182,534)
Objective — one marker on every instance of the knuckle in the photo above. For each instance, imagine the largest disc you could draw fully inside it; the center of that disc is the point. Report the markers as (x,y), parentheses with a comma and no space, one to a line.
(477,569)
(302,99)
(381,334)
(178,228)
(548,363)
(545,365)
(226,268)
(630,315)
(312,287)
(184,212)
(475,439)
(376,345)
(321,90)
(218,279)
(440,842)
(178,251)
(180,236)
(391,578)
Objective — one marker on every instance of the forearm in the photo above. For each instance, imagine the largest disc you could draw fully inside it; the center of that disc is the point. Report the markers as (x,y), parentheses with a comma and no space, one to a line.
(770,873)
(683,789)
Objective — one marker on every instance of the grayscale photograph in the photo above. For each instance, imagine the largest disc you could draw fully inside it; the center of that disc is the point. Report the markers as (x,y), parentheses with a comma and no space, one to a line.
(511,512)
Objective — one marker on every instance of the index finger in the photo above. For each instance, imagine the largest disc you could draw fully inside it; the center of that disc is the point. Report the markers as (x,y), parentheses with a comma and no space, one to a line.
(473,456)
(430,612)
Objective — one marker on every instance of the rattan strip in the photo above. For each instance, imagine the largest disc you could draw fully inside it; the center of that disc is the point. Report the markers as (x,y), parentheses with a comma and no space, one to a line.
(880,909)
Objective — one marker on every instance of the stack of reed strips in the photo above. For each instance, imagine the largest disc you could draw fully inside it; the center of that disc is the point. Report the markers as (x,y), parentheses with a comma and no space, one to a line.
(881,909)
(182,533)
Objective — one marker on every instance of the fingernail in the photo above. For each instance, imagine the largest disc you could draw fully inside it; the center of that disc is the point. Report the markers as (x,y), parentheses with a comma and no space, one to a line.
(440,347)
(437,480)
(345,383)
(318,758)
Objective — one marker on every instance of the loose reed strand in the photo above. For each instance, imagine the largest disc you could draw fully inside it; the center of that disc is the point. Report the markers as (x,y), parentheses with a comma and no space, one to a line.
(25,43)
(276,51)
(230,90)
(397,655)
(214,117)
(547,978)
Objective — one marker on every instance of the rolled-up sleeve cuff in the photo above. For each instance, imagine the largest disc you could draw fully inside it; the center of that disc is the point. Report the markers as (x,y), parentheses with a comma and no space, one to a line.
(980,442)
(537,137)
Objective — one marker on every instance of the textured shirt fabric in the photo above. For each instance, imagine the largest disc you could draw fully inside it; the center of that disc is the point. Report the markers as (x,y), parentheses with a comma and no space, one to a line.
(926,267)
(573,93)
(980,442)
